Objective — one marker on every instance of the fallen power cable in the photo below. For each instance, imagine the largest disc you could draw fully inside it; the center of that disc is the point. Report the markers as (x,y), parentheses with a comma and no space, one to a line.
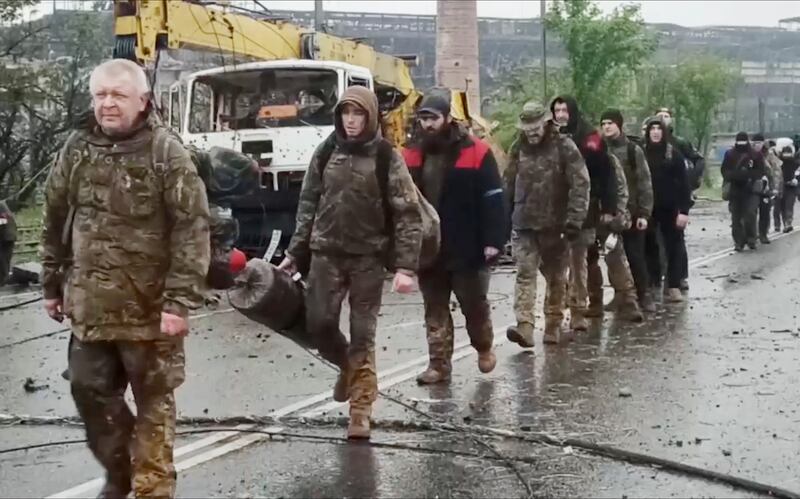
(34,338)
(6,308)
(396,425)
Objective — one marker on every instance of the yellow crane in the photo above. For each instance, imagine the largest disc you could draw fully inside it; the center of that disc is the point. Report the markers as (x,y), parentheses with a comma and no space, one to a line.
(143,27)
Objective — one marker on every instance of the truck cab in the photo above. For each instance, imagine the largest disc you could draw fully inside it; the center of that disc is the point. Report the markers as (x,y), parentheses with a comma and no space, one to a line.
(277,113)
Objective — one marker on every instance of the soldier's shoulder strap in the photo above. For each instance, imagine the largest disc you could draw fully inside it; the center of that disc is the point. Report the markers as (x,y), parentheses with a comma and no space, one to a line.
(325,151)
(632,155)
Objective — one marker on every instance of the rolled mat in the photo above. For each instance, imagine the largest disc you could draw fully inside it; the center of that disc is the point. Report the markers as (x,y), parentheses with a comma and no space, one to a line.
(266,295)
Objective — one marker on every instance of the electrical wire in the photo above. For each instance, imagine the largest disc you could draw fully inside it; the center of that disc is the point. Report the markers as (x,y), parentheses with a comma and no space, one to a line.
(6,308)
(34,338)
(602,450)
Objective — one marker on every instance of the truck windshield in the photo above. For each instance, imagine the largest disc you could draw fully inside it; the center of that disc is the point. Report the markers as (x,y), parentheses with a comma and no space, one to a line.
(263,98)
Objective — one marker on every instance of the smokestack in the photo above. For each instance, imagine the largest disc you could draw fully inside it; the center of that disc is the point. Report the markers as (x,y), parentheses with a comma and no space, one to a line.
(457,62)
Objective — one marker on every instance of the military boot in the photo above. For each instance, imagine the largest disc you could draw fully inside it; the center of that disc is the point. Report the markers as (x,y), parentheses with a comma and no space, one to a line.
(578,323)
(115,488)
(674,295)
(522,334)
(341,390)
(595,308)
(646,303)
(764,239)
(629,309)
(788,229)
(487,361)
(552,331)
(358,429)
(438,371)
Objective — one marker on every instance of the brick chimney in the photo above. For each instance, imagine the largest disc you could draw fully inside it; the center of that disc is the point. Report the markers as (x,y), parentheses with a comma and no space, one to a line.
(457,63)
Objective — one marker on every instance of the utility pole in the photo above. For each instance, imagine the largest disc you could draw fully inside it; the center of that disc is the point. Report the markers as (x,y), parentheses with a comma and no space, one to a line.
(542,12)
(319,15)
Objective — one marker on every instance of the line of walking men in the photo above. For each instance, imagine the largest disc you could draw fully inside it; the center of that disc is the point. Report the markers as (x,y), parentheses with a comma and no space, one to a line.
(569,194)
(760,185)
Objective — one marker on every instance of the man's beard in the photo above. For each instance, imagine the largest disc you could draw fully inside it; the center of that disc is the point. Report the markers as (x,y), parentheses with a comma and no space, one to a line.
(434,141)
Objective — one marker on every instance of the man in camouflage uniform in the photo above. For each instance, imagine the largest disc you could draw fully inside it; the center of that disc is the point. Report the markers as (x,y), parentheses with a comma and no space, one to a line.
(636,173)
(547,186)
(345,221)
(125,250)
(775,180)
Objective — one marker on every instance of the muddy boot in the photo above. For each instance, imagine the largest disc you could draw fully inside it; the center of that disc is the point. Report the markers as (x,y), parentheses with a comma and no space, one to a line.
(613,304)
(684,285)
(521,334)
(358,429)
(595,309)
(646,303)
(765,240)
(752,245)
(341,390)
(486,361)
(552,332)
(115,488)
(578,323)
(437,372)
(629,310)
(788,229)
(674,295)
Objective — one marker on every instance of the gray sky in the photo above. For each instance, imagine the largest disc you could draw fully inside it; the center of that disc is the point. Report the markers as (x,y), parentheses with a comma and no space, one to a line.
(686,13)
(682,12)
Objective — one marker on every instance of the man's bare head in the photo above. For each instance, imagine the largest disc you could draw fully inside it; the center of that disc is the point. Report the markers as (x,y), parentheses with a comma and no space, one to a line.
(120,92)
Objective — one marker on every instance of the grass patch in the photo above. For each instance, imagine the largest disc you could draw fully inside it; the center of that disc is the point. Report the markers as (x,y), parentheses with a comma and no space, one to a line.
(30,216)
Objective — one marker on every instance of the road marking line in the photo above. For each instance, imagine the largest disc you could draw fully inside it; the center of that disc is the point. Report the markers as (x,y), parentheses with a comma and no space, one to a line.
(461,350)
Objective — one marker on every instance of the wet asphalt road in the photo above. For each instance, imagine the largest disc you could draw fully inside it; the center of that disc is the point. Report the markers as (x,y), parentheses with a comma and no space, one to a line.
(713,383)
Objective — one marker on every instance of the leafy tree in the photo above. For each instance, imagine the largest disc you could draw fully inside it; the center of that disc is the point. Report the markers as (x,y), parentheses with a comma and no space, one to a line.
(43,88)
(698,86)
(602,50)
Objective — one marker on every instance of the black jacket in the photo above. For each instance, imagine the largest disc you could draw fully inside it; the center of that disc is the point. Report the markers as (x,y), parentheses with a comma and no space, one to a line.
(671,190)
(602,174)
(471,202)
(789,168)
(742,167)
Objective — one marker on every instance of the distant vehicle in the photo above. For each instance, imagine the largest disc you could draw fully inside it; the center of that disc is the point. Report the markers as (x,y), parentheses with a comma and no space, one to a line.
(8,236)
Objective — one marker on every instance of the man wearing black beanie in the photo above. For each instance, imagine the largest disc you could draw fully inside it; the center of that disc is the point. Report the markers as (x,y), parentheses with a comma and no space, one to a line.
(744,177)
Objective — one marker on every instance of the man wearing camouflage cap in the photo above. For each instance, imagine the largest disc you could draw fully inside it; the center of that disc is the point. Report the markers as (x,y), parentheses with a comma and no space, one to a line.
(547,187)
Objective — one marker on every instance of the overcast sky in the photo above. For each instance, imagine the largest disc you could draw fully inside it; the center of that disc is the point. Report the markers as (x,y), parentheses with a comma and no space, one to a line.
(683,12)
(686,13)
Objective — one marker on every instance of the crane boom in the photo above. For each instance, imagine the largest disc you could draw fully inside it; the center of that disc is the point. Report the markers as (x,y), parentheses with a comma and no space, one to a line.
(142,27)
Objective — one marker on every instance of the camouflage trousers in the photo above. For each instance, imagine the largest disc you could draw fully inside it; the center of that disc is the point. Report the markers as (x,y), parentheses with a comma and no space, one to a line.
(579,271)
(548,252)
(619,275)
(330,278)
(135,451)
(470,288)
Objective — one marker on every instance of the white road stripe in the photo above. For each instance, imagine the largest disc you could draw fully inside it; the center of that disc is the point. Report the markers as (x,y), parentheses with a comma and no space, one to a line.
(388,378)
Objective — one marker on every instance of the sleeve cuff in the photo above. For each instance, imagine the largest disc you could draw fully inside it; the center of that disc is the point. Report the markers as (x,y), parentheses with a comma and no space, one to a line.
(175,308)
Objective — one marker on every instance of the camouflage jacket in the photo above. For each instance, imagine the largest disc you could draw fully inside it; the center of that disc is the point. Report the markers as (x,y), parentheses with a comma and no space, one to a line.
(637,175)
(547,186)
(622,217)
(138,241)
(774,165)
(341,211)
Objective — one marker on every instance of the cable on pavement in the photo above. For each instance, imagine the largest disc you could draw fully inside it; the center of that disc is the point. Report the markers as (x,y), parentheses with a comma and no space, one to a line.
(603,450)
(6,308)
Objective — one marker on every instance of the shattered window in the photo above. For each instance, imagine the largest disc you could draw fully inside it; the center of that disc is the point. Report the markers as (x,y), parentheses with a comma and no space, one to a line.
(267,98)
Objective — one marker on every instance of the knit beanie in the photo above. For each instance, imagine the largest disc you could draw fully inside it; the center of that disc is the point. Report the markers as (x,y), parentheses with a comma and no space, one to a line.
(612,115)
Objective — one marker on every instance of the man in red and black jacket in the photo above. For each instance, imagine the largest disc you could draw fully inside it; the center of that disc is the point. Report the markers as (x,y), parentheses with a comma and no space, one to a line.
(457,173)
(602,209)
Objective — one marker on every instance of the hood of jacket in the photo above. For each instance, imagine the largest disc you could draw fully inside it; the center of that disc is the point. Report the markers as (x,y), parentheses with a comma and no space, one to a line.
(577,126)
(666,136)
(366,100)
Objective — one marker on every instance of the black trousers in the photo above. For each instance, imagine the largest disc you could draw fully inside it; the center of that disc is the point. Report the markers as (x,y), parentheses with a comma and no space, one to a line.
(633,240)
(663,223)
(764,212)
(744,211)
